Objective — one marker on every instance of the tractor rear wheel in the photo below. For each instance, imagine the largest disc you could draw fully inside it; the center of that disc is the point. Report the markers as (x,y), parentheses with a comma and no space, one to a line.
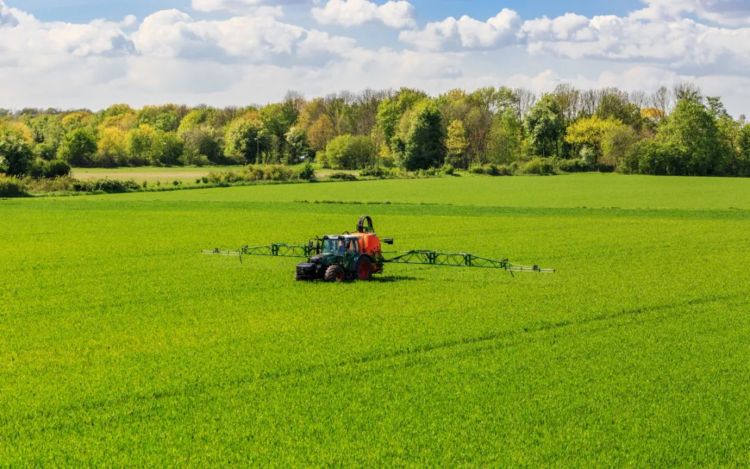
(335,273)
(364,268)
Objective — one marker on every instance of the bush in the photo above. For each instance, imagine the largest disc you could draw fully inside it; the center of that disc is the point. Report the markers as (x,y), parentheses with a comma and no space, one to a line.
(430,172)
(476,170)
(253,173)
(494,169)
(58,184)
(343,177)
(307,173)
(655,157)
(110,186)
(539,166)
(349,152)
(377,172)
(50,169)
(575,166)
(12,187)
(15,151)
(278,173)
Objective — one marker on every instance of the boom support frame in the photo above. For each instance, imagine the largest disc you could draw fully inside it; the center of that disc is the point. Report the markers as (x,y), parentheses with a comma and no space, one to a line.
(416,257)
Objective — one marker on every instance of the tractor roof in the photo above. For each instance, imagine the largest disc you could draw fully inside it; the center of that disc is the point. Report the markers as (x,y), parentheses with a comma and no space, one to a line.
(350,235)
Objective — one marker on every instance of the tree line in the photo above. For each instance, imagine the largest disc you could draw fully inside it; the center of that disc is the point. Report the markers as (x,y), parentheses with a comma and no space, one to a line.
(672,131)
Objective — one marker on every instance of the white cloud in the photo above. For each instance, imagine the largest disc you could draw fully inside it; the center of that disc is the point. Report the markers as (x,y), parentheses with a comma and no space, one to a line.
(466,32)
(681,42)
(245,52)
(172,33)
(397,14)
(724,12)
(24,36)
(569,27)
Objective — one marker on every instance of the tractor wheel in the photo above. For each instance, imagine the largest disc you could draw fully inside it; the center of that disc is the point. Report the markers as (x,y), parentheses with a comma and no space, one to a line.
(364,268)
(335,273)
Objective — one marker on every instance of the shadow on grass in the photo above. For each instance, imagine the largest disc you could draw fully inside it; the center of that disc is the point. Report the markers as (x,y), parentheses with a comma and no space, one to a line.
(393,279)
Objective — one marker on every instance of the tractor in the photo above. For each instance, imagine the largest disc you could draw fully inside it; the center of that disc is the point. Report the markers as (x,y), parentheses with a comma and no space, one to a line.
(359,255)
(349,256)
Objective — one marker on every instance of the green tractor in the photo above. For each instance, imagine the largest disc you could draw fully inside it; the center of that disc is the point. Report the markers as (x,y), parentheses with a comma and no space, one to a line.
(348,256)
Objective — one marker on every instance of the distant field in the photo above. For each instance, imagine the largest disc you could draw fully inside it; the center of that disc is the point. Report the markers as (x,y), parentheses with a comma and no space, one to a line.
(150,174)
(153,174)
(120,344)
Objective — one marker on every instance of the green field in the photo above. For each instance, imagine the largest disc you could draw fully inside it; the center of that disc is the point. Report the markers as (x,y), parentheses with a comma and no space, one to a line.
(120,344)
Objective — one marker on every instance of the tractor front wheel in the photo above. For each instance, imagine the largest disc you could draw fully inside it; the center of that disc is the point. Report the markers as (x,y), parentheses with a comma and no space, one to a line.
(335,273)
(364,269)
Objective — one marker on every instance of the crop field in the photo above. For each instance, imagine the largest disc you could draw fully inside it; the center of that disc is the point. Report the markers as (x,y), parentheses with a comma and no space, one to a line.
(167,175)
(148,173)
(121,344)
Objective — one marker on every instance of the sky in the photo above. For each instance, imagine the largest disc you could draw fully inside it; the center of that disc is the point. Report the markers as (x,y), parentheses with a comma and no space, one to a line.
(93,53)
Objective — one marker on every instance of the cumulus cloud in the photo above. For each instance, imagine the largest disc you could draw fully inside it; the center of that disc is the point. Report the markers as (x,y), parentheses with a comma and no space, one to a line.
(466,32)
(246,52)
(680,42)
(21,34)
(172,33)
(724,12)
(397,14)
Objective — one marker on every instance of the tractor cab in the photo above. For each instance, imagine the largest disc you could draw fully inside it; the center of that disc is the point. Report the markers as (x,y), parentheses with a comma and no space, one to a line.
(340,245)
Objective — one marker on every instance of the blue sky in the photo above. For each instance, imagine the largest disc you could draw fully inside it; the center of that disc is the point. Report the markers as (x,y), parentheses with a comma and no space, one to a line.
(72,53)
(428,10)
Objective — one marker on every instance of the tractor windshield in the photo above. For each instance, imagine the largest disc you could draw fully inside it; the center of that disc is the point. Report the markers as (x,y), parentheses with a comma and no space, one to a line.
(339,246)
(335,246)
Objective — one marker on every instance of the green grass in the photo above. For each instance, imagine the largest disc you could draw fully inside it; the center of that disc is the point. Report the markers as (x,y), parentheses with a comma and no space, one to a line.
(121,344)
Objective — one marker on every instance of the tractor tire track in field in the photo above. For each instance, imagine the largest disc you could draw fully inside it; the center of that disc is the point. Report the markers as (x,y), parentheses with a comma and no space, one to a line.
(13,428)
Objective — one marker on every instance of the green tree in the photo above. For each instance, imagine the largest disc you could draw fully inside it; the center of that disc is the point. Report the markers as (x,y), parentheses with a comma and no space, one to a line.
(456,145)
(390,116)
(141,145)
(277,119)
(387,119)
(617,145)
(743,147)
(165,118)
(299,149)
(246,140)
(588,134)
(78,147)
(77,120)
(505,140)
(424,146)
(203,145)
(168,149)
(196,118)
(545,127)
(320,132)
(691,130)
(614,105)
(16,157)
(112,148)
(47,133)
(350,152)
